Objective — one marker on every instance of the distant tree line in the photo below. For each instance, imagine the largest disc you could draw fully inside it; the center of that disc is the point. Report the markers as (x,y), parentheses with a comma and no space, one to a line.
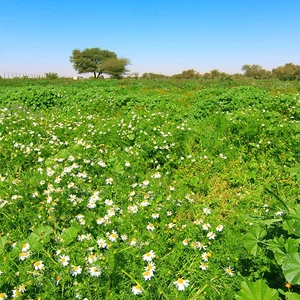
(289,71)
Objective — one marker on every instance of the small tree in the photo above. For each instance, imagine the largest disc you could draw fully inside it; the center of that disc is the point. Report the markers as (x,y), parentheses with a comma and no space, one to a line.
(98,61)
(51,75)
(188,74)
(256,71)
(153,76)
(114,67)
(216,74)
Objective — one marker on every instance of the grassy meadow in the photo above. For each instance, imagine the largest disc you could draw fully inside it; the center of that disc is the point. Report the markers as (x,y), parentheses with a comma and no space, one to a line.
(158,189)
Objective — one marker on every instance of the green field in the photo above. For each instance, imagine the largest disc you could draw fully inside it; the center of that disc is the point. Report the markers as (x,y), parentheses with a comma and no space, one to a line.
(149,189)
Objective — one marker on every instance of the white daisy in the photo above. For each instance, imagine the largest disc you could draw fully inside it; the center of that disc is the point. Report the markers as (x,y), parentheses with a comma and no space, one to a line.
(181,284)
(149,256)
(95,271)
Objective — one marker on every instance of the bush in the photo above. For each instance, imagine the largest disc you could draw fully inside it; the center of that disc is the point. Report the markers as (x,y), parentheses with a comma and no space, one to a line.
(51,76)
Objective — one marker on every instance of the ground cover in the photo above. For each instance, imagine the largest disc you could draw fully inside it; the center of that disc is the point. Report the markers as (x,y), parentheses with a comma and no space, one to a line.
(150,189)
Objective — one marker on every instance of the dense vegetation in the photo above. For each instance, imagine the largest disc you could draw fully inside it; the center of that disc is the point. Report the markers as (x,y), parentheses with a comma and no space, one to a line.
(156,189)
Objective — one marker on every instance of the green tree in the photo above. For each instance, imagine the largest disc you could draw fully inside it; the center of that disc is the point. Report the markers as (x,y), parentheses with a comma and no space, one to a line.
(188,74)
(153,76)
(287,72)
(256,71)
(98,61)
(51,75)
(114,67)
(216,74)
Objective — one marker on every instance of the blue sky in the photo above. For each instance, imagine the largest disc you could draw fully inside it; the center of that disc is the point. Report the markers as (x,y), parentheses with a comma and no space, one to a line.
(166,36)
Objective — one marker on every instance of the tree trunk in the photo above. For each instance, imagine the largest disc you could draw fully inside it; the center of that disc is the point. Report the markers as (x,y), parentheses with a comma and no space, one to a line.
(95,75)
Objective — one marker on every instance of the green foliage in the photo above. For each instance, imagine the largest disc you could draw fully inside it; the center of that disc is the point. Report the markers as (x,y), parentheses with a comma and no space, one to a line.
(291,266)
(188,74)
(132,158)
(51,76)
(115,67)
(33,97)
(257,290)
(281,237)
(289,71)
(253,238)
(256,71)
(98,61)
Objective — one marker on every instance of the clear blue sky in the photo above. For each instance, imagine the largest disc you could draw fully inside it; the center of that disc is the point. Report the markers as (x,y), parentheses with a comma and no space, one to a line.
(160,36)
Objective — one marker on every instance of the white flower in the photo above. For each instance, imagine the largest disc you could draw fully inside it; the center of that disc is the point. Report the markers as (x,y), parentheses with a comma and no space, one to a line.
(150,267)
(211,235)
(203,266)
(124,237)
(133,209)
(76,270)
(206,211)
(185,242)
(137,289)
(109,181)
(92,258)
(229,271)
(148,275)
(133,242)
(108,202)
(201,246)
(219,228)
(113,236)
(22,288)
(181,284)
(102,164)
(64,260)
(155,215)
(38,265)
(24,255)
(145,182)
(102,243)
(206,226)
(279,213)
(149,256)
(206,256)
(127,163)
(25,247)
(150,227)
(95,271)
(156,175)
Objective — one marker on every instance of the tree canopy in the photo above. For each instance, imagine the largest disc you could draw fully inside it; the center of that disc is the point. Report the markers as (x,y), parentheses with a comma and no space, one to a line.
(287,72)
(98,61)
(256,71)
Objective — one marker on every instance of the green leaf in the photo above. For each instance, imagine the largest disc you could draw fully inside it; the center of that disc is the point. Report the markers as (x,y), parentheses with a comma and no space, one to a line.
(131,137)
(3,242)
(292,227)
(281,247)
(118,168)
(277,247)
(276,197)
(256,291)
(70,234)
(294,213)
(252,238)
(292,296)
(39,237)
(291,268)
